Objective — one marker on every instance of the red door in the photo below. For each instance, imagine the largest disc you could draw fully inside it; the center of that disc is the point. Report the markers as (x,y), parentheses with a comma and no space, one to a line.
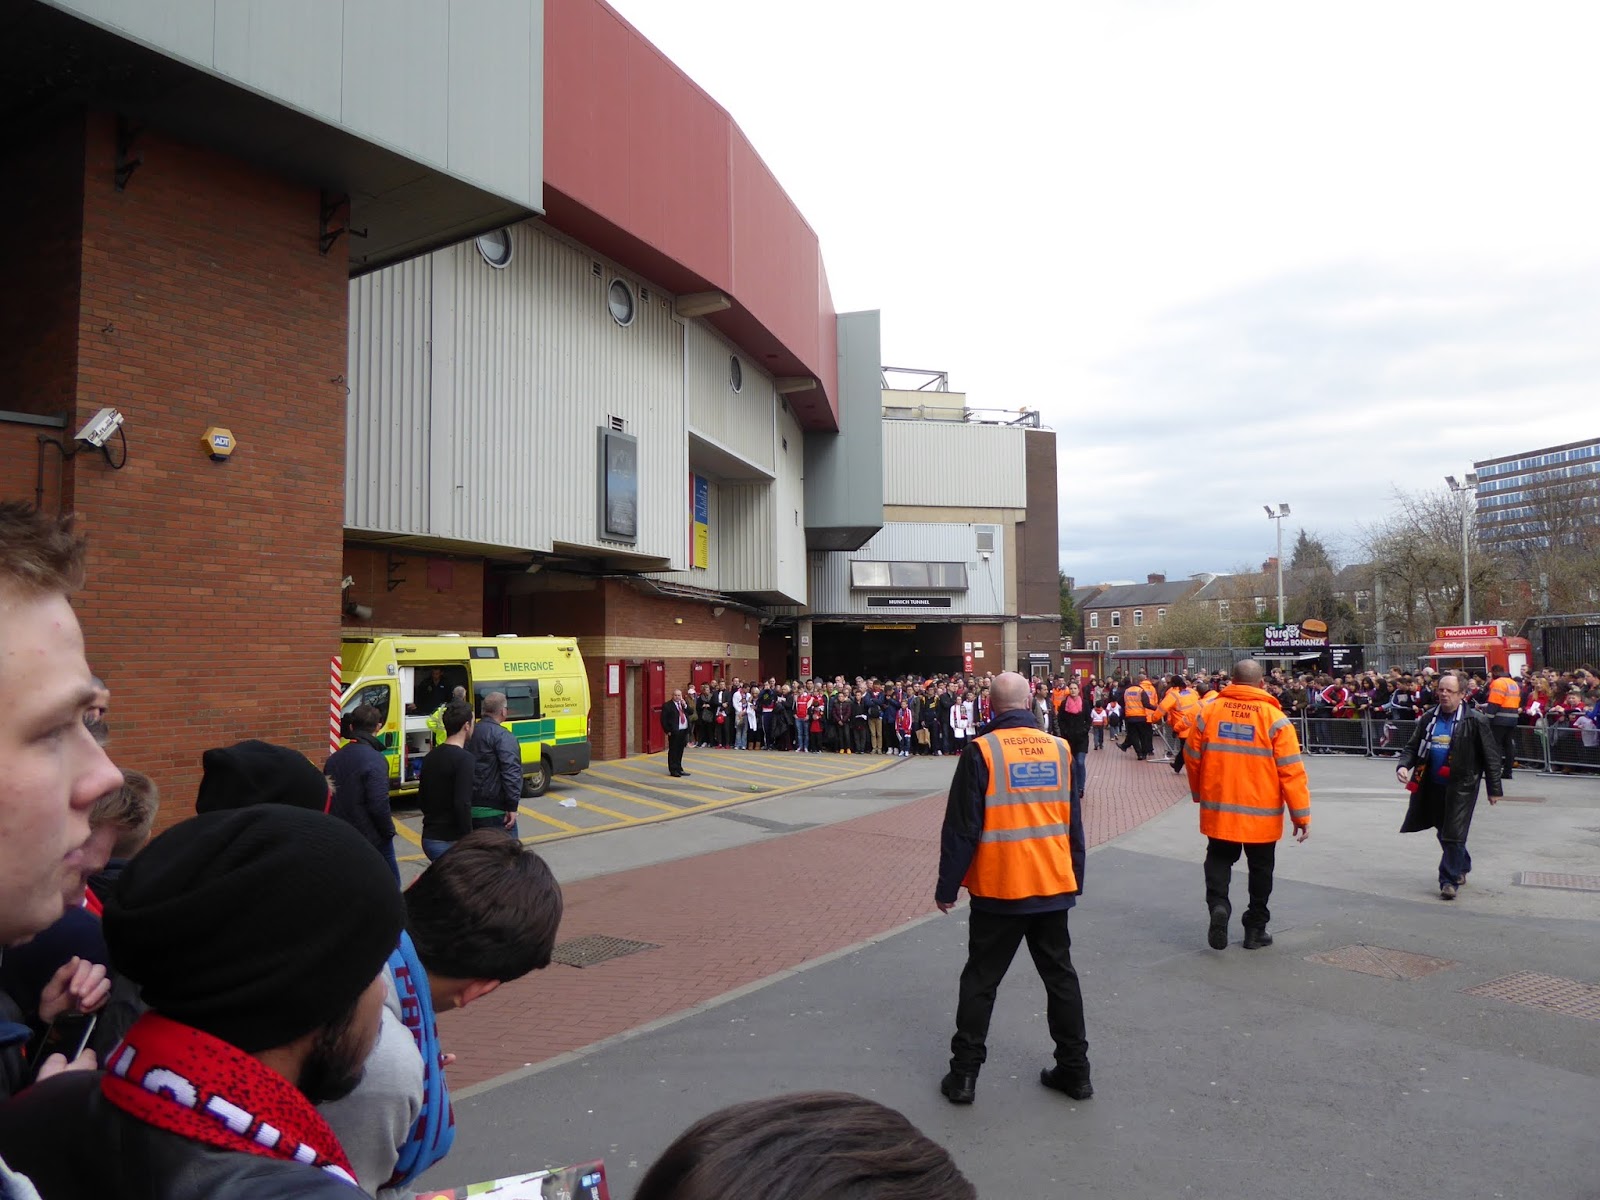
(702,672)
(655,695)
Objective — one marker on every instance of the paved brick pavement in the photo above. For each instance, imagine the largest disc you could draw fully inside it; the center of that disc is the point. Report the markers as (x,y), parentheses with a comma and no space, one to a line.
(730,918)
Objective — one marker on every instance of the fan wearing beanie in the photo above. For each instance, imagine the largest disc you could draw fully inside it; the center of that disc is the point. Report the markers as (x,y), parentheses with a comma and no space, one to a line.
(258,936)
(253,772)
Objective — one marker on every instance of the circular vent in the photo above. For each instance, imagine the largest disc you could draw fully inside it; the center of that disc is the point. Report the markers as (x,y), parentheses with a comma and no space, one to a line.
(619,299)
(736,373)
(496,248)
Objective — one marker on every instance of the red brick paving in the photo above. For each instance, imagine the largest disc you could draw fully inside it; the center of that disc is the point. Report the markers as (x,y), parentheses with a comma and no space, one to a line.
(732,917)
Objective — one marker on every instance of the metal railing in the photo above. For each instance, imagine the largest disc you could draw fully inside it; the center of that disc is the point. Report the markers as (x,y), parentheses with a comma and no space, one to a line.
(1545,748)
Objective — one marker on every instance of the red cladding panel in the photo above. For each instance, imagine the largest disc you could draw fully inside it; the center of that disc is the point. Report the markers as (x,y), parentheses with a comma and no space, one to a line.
(645,167)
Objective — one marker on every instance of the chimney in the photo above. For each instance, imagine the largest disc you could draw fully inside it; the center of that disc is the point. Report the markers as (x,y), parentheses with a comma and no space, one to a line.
(1153,578)
(1270,567)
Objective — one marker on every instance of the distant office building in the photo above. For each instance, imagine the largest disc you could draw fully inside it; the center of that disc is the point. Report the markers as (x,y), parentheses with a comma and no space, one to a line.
(1526,500)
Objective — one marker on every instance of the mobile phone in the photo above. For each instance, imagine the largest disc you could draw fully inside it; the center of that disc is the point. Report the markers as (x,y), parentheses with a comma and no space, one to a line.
(68,1034)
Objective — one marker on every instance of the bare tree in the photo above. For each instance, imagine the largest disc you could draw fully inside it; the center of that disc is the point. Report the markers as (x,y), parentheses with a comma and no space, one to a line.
(1191,623)
(1416,552)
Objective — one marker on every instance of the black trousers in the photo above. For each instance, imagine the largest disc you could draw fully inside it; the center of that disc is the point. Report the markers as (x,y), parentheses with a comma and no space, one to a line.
(1505,737)
(992,941)
(1139,737)
(1220,857)
(675,745)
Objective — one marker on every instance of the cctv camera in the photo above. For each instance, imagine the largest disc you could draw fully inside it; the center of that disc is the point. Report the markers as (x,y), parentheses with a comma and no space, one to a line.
(360,612)
(99,428)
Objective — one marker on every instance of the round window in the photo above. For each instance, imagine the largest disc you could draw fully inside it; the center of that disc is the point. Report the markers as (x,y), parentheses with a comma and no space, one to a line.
(496,248)
(619,299)
(736,373)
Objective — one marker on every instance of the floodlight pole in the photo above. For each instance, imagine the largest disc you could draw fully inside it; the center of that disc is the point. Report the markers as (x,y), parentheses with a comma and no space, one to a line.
(1283,511)
(1463,491)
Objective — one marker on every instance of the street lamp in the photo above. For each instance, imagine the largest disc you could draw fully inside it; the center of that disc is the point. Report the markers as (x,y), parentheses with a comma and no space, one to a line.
(1283,511)
(1463,493)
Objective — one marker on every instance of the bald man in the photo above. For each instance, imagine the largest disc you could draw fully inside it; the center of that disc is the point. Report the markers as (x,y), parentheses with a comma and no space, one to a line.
(1244,769)
(1014,839)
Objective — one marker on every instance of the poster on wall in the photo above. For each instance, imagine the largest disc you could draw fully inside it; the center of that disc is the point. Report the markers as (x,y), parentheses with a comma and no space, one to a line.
(619,486)
(699,521)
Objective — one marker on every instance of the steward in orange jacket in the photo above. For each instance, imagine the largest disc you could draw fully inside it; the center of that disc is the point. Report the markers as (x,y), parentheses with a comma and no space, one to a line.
(1244,770)
(1014,839)
(1138,711)
(1179,708)
(1504,709)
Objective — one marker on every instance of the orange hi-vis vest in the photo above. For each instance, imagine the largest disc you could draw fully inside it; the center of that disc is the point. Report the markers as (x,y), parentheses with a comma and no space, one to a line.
(1180,706)
(1026,845)
(1139,702)
(1505,697)
(1245,768)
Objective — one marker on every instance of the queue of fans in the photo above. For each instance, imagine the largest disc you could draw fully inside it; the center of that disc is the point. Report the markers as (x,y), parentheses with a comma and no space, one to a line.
(245,1006)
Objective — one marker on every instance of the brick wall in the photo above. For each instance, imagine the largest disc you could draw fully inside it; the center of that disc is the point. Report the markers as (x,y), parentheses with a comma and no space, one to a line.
(993,660)
(213,598)
(617,622)
(435,594)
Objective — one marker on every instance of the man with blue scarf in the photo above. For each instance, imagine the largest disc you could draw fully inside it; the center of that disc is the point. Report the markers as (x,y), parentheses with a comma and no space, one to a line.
(485,913)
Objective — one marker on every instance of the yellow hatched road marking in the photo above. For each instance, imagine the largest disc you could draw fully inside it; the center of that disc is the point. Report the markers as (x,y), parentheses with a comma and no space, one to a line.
(675,789)
(404,831)
(754,773)
(539,816)
(605,791)
(604,812)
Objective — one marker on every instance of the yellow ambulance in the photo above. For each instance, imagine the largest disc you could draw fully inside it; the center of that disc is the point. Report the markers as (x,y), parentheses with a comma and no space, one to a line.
(408,679)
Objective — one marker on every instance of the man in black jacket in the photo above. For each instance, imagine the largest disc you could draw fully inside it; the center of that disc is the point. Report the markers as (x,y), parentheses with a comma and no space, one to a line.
(675,720)
(497,768)
(211,1092)
(358,773)
(1452,750)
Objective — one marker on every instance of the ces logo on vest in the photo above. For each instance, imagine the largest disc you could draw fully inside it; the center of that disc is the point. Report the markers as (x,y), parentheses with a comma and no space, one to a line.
(1035,775)
(1232,731)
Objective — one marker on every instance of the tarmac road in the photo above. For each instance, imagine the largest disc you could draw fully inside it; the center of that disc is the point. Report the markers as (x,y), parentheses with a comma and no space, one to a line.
(1217,1074)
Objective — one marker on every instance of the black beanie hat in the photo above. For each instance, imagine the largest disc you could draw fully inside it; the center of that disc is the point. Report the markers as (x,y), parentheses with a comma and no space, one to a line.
(257,926)
(254,772)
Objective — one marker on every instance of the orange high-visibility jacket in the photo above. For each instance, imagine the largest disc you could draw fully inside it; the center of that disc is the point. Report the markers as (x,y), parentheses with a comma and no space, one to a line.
(1026,845)
(1505,697)
(1244,767)
(1139,702)
(1179,707)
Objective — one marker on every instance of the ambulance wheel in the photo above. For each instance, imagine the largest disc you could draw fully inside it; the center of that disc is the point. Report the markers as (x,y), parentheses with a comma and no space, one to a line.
(537,781)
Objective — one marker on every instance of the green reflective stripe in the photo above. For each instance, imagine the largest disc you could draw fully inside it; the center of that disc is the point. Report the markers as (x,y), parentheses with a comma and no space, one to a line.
(1300,814)
(1028,834)
(478,810)
(1289,760)
(1242,809)
(1280,723)
(1251,751)
(571,741)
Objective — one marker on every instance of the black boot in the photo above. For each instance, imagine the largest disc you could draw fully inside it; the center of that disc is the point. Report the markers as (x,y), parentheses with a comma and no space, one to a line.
(1256,936)
(959,1087)
(1076,1086)
(1217,934)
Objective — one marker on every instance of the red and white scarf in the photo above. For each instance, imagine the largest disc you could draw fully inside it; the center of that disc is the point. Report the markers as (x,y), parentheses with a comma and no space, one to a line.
(187,1082)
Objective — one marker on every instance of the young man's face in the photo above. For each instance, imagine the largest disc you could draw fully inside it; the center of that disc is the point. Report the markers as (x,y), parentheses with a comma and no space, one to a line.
(54,770)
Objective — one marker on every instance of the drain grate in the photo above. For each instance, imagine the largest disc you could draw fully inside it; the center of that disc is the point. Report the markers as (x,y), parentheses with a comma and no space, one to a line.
(597,948)
(1566,997)
(1381,961)
(1558,880)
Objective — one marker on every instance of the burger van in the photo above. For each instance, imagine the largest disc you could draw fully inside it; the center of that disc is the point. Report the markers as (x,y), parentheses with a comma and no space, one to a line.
(408,679)
(1477,650)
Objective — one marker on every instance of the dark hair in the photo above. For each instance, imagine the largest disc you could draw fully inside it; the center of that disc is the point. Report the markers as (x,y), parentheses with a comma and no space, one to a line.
(487,908)
(456,715)
(366,719)
(805,1146)
(38,554)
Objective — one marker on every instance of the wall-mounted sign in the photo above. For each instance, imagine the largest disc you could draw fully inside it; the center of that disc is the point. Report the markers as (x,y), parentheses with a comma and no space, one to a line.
(613,679)
(699,521)
(908,601)
(619,486)
(805,666)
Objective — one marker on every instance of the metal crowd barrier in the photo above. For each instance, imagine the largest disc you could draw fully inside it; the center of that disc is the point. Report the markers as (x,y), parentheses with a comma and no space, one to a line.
(1545,749)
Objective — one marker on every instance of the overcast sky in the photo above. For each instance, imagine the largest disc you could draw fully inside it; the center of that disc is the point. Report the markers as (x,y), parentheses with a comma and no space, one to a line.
(1236,252)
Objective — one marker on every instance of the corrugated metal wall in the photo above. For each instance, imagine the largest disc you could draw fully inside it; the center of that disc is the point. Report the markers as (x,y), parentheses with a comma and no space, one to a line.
(787,535)
(387,418)
(740,422)
(914,542)
(526,366)
(954,465)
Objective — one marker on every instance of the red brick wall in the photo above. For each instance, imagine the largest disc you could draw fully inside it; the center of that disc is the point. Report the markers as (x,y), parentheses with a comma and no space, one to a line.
(608,611)
(213,598)
(19,465)
(438,594)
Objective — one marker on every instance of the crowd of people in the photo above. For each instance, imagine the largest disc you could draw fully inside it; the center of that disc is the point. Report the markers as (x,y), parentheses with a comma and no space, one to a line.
(246,1006)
